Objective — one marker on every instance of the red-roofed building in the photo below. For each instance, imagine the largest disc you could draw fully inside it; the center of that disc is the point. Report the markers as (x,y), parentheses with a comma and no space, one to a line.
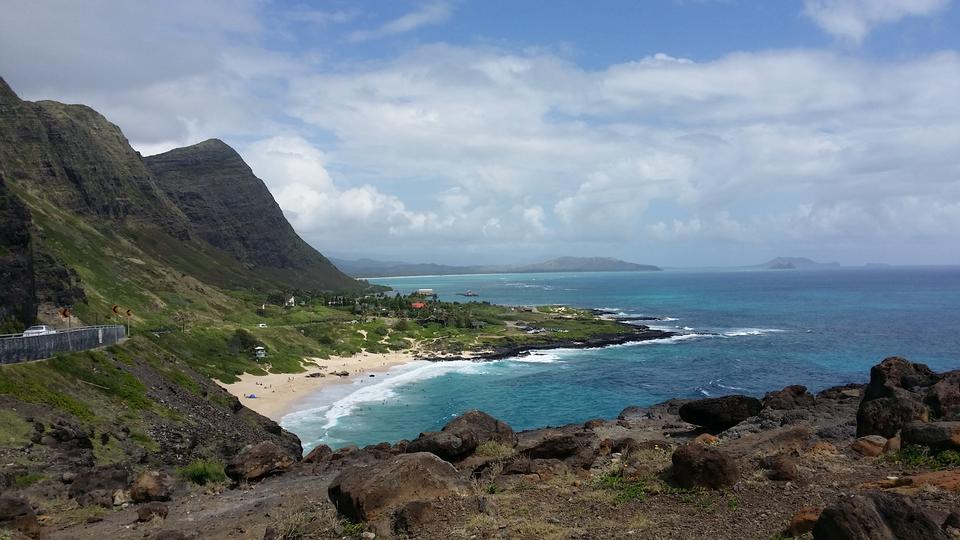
(418,305)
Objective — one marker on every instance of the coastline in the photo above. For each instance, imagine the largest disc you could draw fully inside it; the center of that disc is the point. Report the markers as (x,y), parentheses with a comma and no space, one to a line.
(278,394)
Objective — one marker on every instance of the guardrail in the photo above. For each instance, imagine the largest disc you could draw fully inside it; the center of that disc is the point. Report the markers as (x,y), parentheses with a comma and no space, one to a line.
(16,348)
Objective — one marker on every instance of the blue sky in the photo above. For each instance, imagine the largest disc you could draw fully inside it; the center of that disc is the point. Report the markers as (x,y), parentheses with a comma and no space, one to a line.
(674,132)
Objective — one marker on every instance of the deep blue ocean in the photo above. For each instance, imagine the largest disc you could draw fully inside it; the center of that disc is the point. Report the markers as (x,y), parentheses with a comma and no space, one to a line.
(743,332)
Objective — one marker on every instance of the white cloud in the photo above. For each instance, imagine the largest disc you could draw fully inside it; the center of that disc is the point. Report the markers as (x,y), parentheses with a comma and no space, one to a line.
(854,19)
(436,12)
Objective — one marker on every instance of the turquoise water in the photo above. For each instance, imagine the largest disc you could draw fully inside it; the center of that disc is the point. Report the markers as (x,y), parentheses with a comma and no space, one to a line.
(741,332)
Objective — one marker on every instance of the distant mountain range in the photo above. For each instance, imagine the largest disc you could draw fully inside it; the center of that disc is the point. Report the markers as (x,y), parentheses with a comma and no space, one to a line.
(371,268)
(795,263)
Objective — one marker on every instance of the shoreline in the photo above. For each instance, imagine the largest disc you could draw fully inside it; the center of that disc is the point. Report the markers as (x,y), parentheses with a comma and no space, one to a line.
(278,394)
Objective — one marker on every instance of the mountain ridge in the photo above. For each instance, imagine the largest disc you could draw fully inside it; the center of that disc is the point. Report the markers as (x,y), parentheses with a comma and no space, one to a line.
(365,267)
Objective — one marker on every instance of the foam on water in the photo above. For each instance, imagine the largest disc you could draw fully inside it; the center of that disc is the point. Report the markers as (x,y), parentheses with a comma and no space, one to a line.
(736,332)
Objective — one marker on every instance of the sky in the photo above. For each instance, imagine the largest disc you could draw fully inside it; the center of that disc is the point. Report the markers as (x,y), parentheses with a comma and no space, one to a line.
(670,132)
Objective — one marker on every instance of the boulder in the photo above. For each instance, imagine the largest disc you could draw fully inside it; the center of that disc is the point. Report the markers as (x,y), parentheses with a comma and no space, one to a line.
(781,467)
(936,435)
(943,397)
(92,486)
(259,460)
(543,468)
(556,446)
(877,516)
(318,454)
(446,445)
(767,443)
(152,510)
(803,521)
(412,516)
(481,427)
(718,414)
(17,514)
(367,493)
(791,397)
(870,446)
(151,486)
(697,465)
(706,438)
(886,416)
(894,397)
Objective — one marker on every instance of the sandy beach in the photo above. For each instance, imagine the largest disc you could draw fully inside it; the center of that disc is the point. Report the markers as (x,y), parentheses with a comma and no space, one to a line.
(278,393)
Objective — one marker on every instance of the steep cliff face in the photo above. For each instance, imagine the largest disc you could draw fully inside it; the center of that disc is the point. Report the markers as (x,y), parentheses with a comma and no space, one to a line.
(72,156)
(230,208)
(17,298)
(78,203)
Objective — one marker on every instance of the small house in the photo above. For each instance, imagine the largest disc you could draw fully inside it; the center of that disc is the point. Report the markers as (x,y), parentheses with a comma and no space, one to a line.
(260,352)
(292,301)
(418,305)
(425,292)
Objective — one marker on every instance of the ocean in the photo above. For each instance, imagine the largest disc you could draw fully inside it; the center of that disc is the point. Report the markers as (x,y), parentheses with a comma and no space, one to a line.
(740,332)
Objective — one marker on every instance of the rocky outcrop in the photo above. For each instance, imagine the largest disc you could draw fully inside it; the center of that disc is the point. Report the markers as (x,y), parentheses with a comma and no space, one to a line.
(697,465)
(482,427)
(259,460)
(17,514)
(877,516)
(448,446)
(894,397)
(718,414)
(937,435)
(373,493)
(791,397)
(151,486)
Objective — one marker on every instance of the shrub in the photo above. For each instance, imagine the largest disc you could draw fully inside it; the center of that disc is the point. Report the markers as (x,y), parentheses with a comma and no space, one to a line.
(494,449)
(29,479)
(203,472)
(917,456)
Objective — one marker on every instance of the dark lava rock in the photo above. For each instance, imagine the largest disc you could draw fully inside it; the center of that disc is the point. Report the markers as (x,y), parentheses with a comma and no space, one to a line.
(151,510)
(781,467)
(558,446)
(943,398)
(937,435)
(412,516)
(894,397)
(366,493)
(877,516)
(448,446)
(482,427)
(791,397)
(107,479)
(318,454)
(151,486)
(259,460)
(718,414)
(17,514)
(697,465)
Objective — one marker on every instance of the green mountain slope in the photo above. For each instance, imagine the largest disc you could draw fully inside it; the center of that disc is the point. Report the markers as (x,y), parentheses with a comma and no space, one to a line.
(88,222)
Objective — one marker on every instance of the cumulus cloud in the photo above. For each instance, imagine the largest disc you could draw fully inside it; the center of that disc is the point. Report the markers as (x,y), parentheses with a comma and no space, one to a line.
(853,19)
(438,152)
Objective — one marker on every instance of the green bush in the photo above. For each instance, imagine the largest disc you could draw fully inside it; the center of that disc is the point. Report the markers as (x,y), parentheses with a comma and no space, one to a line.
(203,472)
(916,456)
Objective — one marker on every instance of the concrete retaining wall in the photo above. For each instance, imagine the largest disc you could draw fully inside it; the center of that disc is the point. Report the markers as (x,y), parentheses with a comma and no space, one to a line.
(21,349)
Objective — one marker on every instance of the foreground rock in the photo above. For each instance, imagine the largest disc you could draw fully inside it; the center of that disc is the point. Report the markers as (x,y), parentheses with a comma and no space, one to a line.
(259,460)
(373,493)
(791,397)
(151,486)
(462,435)
(936,435)
(17,514)
(877,516)
(718,414)
(894,397)
(698,465)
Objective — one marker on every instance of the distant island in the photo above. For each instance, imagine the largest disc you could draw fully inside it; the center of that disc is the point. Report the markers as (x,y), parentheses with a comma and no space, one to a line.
(793,263)
(363,268)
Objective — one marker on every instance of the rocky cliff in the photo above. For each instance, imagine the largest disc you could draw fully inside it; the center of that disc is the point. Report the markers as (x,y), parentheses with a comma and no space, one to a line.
(230,208)
(78,205)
